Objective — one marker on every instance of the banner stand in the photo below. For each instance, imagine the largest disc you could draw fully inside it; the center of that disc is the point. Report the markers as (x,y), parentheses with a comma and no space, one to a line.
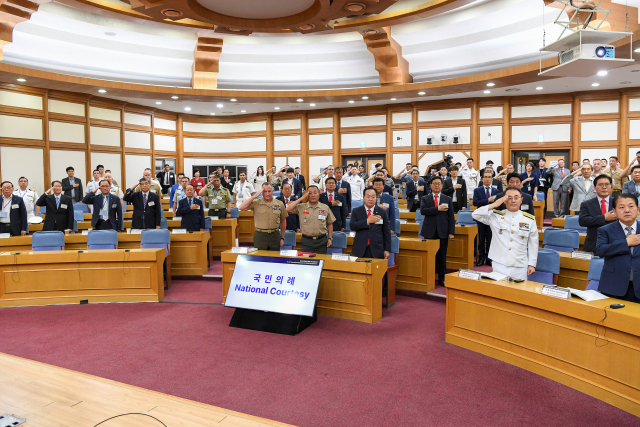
(267,321)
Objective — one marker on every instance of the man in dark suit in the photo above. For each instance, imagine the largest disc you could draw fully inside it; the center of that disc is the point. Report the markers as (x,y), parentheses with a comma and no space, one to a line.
(514,180)
(560,188)
(618,245)
(191,210)
(415,189)
(227,182)
(293,182)
(544,183)
(483,196)
(107,209)
(596,212)
(166,178)
(495,183)
(439,223)
(72,186)
(370,223)
(385,201)
(59,216)
(293,221)
(387,189)
(488,164)
(344,188)
(297,175)
(147,208)
(336,203)
(13,213)
(456,188)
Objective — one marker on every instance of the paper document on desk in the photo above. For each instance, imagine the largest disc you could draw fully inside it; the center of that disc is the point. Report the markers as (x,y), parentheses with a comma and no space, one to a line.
(589,295)
(494,276)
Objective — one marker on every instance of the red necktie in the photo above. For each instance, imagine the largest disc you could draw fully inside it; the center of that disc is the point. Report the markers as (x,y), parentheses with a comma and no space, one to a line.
(286,201)
(603,207)
(562,172)
(436,200)
(368,215)
(331,197)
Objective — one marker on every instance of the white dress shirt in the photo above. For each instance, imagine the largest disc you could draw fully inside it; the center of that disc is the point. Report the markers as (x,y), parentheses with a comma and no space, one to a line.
(606,202)
(6,207)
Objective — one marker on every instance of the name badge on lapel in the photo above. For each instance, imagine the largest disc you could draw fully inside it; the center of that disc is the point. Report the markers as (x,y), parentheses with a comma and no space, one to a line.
(63,206)
(151,203)
(322,217)
(113,206)
(380,221)
(15,206)
(524,207)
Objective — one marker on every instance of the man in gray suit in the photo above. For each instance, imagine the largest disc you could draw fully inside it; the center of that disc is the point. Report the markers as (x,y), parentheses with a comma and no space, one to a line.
(633,185)
(582,185)
(560,190)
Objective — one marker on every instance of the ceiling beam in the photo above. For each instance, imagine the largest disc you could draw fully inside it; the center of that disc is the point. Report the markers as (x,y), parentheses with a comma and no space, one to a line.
(206,63)
(12,12)
(387,53)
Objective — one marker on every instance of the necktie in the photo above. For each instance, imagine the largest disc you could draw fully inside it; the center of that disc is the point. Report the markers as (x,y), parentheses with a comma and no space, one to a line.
(629,233)
(189,202)
(331,197)
(435,198)
(286,201)
(338,187)
(57,202)
(368,215)
(144,200)
(603,207)
(488,193)
(562,172)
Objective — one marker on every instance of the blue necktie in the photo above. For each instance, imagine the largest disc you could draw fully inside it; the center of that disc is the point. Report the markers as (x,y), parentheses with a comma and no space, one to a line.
(488,193)
(57,202)
(144,200)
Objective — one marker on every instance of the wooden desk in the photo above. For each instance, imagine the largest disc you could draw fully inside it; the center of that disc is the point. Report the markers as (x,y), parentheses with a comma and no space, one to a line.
(246,227)
(417,264)
(348,290)
(409,216)
(549,336)
(67,277)
(573,271)
(557,222)
(460,253)
(188,251)
(538,210)
(129,214)
(223,236)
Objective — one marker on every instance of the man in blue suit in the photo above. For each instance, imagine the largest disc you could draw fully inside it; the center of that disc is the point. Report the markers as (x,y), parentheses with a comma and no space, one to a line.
(415,190)
(296,186)
(336,203)
(385,201)
(13,215)
(293,221)
(344,188)
(439,222)
(618,245)
(107,209)
(482,196)
(191,210)
(373,235)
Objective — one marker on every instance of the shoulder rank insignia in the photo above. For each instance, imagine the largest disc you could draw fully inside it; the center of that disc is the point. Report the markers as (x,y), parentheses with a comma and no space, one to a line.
(498,212)
(528,215)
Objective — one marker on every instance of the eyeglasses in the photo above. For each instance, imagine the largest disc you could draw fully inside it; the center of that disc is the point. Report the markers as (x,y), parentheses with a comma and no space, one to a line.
(604,184)
(514,199)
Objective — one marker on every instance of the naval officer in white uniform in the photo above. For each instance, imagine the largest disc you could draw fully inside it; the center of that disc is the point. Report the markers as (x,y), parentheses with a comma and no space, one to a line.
(29,197)
(513,232)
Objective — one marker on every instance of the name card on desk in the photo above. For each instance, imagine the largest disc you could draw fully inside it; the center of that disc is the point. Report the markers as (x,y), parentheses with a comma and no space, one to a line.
(85,232)
(352,234)
(177,218)
(403,221)
(287,252)
(403,210)
(5,235)
(554,291)
(244,250)
(213,218)
(469,274)
(138,231)
(176,231)
(340,257)
(581,255)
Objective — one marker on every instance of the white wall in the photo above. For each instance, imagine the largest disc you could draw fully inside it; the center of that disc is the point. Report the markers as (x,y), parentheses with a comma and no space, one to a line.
(552,133)
(634,129)
(599,131)
(439,115)
(29,162)
(406,138)
(21,100)
(354,140)
(225,127)
(495,156)
(164,142)
(104,136)
(541,111)
(400,160)
(316,163)
(494,138)
(63,107)
(286,143)
(231,145)
(137,119)
(491,112)
(20,127)
(324,122)
(378,120)
(427,159)
(465,135)
(321,142)
(401,117)
(66,132)
(599,153)
(599,107)
(110,161)
(287,124)
(164,124)
(60,160)
(104,114)
(135,166)
(137,140)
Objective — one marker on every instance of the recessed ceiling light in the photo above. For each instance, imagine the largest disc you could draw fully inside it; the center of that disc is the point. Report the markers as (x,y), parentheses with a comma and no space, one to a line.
(299,100)
(243,111)
(233,100)
(158,103)
(393,99)
(351,102)
(487,91)
(174,97)
(102,91)
(219,105)
(213,114)
(491,84)
(365,97)
(421,93)
(602,73)
(277,108)
(21,80)
(110,34)
(187,108)
(637,50)
(539,88)
(312,105)
(595,84)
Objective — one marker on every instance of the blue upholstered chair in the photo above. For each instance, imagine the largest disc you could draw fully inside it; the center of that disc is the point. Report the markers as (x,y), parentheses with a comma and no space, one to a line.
(347,225)
(397,225)
(571,223)
(164,224)
(419,217)
(395,248)
(395,203)
(338,243)
(548,267)
(465,218)
(207,222)
(102,239)
(43,210)
(47,241)
(468,206)
(154,238)
(595,271)
(78,215)
(540,195)
(234,213)
(81,207)
(356,204)
(561,240)
(289,240)
(277,194)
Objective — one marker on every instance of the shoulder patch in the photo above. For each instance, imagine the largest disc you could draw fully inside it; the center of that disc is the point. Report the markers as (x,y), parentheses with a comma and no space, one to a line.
(528,215)
(499,212)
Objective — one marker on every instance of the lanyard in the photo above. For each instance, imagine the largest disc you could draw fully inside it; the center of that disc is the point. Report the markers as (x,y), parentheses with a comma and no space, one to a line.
(4,205)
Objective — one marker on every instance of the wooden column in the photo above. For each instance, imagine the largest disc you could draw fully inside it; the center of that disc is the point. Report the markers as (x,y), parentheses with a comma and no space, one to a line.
(270,161)
(506,133)
(179,146)
(123,161)
(575,131)
(623,153)
(87,141)
(414,136)
(304,145)
(475,133)
(389,144)
(336,138)
(45,132)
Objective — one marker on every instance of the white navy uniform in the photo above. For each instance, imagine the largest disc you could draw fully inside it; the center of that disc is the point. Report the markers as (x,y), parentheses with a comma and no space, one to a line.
(472,179)
(513,234)
(29,197)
